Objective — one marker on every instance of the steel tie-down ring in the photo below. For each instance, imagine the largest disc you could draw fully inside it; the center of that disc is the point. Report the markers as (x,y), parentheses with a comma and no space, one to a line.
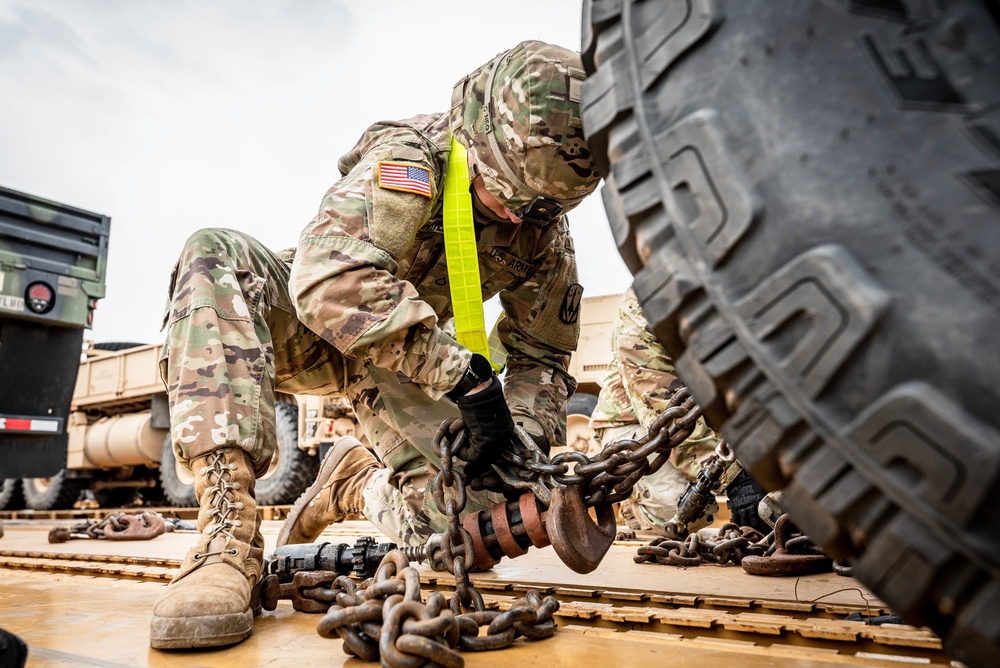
(783,563)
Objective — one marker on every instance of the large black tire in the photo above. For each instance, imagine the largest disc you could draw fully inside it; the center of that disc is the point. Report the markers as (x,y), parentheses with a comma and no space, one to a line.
(808,195)
(176,481)
(292,469)
(11,497)
(581,404)
(55,493)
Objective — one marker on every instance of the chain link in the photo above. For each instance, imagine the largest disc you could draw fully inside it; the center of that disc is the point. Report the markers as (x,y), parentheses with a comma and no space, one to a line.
(142,525)
(730,545)
(383,618)
(608,476)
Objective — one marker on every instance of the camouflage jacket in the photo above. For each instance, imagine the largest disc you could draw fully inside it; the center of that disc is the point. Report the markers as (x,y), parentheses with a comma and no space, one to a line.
(370,276)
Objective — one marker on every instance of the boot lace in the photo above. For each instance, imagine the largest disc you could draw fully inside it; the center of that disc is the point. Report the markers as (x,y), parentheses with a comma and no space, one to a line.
(224,507)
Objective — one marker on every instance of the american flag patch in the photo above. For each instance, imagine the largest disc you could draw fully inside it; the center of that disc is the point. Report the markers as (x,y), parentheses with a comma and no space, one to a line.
(405,177)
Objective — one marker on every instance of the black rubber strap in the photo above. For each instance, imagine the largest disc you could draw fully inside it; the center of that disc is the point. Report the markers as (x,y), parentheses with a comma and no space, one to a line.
(478,372)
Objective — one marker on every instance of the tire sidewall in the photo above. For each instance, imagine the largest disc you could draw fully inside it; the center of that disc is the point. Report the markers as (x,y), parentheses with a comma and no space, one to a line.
(581,404)
(61,493)
(295,468)
(177,492)
(11,497)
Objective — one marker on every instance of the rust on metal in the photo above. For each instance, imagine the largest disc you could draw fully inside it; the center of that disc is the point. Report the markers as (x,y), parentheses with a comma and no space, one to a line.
(140,526)
(580,542)
(792,555)
(534,524)
(305,591)
(473,524)
(501,525)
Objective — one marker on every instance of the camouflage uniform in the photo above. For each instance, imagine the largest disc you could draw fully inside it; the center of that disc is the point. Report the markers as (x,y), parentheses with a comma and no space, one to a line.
(361,306)
(639,384)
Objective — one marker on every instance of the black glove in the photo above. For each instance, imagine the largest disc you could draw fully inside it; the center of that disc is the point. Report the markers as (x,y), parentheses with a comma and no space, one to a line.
(745,495)
(490,425)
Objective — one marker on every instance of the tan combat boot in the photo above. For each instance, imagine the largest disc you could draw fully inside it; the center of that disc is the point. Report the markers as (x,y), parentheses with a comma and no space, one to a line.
(213,599)
(334,496)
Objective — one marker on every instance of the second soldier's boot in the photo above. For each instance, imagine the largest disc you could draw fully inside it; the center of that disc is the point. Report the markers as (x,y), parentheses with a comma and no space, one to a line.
(213,598)
(334,496)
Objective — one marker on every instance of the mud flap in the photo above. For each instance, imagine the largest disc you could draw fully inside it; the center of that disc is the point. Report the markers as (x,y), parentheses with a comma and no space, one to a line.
(38,368)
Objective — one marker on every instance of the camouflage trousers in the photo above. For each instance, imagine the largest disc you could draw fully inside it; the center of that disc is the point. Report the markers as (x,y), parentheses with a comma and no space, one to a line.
(654,498)
(234,341)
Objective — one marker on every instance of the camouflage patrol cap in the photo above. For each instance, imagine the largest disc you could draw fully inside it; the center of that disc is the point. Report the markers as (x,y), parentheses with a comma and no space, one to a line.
(519,117)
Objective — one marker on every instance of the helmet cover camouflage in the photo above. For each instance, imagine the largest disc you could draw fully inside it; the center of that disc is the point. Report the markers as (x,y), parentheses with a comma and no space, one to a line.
(519,117)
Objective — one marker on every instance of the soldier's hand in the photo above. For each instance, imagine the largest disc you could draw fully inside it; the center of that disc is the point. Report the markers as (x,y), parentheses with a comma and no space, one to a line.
(489,422)
(745,495)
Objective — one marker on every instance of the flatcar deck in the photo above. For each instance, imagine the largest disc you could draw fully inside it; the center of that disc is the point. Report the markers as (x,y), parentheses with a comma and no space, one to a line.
(88,602)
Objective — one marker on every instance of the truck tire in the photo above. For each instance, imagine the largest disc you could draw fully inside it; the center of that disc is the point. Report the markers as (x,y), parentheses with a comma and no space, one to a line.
(176,480)
(55,493)
(11,497)
(581,404)
(292,469)
(808,197)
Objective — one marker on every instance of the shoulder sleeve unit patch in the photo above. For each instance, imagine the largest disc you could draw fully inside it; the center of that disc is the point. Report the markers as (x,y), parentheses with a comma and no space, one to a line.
(406,177)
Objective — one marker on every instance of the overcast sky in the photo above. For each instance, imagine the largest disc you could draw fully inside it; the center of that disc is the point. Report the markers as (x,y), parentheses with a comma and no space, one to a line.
(173,116)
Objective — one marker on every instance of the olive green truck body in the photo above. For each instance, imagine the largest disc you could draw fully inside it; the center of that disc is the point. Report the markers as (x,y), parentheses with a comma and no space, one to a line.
(53,262)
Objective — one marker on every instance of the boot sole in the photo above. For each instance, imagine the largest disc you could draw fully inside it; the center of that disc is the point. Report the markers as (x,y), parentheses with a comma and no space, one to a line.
(206,631)
(311,492)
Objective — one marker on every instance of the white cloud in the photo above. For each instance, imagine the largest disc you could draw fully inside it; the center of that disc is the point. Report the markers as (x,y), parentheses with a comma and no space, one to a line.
(170,117)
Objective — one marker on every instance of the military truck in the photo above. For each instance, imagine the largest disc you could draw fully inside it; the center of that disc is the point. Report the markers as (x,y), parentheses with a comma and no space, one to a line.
(53,260)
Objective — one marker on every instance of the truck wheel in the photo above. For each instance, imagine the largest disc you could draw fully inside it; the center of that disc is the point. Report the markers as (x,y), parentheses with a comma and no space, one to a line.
(176,480)
(55,493)
(581,404)
(292,469)
(808,196)
(11,497)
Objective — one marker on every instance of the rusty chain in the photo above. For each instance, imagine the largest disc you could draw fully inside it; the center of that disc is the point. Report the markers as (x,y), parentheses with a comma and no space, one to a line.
(784,551)
(607,477)
(383,618)
(142,525)
(729,546)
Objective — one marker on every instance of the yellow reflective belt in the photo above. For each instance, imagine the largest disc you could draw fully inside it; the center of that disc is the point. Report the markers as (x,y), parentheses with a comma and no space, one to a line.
(463,257)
